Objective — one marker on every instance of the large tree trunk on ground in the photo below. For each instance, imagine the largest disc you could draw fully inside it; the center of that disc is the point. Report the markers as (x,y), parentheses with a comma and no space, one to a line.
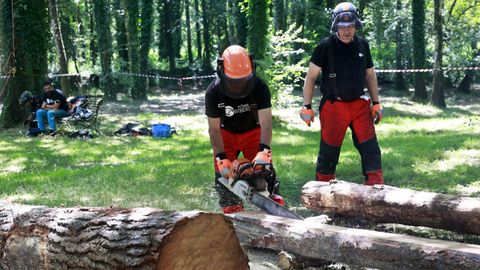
(394,205)
(353,246)
(37,237)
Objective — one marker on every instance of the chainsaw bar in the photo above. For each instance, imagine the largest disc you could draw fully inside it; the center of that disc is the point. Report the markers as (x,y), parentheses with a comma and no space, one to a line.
(245,192)
(272,207)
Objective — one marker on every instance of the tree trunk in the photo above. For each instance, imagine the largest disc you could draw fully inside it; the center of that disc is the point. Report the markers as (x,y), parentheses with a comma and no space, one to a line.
(167,26)
(104,37)
(189,32)
(400,84)
(240,19)
(197,29)
(466,83)
(37,237)
(206,35)
(145,41)
(418,32)
(121,35)
(21,56)
(279,17)
(62,56)
(223,35)
(132,11)
(92,33)
(438,93)
(355,247)
(394,205)
(258,11)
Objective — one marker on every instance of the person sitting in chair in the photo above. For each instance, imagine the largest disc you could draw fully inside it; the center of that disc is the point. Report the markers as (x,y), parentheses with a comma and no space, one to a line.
(28,100)
(54,105)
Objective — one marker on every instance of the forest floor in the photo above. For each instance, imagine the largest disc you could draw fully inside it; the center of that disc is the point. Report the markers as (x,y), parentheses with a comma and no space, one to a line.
(173,102)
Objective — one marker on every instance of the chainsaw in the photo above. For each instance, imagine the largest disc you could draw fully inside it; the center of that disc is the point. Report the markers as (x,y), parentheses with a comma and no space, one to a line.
(256,184)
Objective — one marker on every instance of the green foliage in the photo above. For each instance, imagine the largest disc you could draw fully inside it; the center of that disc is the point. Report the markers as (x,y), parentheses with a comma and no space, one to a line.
(285,78)
(258,27)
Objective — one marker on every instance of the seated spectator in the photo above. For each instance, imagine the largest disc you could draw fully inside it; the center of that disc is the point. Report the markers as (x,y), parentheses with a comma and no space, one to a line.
(27,99)
(54,105)
(75,102)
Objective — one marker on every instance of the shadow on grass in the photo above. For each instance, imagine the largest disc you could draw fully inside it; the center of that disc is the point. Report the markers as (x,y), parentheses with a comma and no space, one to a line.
(443,161)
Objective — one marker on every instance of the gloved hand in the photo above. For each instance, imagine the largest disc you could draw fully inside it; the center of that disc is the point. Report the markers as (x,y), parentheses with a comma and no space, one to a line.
(224,165)
(262,161)
(307,114)
(377,112)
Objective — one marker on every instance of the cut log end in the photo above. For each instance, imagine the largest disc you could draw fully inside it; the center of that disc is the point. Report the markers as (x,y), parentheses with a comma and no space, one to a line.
(206,242)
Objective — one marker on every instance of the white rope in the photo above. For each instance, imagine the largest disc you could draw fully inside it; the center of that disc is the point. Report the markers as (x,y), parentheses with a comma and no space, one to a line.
(425,70)
(63,75)
(181,79)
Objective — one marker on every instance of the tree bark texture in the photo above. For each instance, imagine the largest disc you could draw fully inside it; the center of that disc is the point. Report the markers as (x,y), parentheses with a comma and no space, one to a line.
(418,37)
(438,93)
(62,55)
(37,237)
(355,247)
(394,205)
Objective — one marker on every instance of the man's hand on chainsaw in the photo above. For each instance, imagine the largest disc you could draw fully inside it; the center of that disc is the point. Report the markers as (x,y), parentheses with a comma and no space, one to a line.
(224,165)
(263,161)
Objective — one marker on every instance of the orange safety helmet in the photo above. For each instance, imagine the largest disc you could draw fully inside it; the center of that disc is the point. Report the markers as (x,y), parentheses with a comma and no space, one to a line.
(236,70)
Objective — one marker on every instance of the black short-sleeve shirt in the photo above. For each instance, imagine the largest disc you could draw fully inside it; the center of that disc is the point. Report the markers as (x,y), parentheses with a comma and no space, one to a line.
(55,97)
(351,62)
(237,115)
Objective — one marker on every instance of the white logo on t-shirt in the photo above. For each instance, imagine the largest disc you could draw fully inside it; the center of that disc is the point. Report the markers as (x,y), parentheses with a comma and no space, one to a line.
(229,111)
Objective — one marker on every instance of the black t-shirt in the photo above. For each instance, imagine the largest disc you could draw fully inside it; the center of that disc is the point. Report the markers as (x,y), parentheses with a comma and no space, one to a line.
(237,115)
(351,62)
(55,97)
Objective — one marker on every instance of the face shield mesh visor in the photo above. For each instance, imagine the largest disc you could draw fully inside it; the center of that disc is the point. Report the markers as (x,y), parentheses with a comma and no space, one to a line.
(237,88)
(345,19)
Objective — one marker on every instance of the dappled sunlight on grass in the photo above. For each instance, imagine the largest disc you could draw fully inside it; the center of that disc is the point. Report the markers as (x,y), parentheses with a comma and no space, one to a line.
(21,198)
(428,125)
(13,165)
(409,108)
(451,160)
(423,148)
(472,189)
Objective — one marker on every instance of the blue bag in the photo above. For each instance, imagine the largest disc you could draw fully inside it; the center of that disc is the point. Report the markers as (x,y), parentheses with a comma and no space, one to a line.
(161,130)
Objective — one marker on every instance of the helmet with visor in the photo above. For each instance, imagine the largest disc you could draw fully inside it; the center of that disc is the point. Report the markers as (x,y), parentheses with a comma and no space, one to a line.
(236,70)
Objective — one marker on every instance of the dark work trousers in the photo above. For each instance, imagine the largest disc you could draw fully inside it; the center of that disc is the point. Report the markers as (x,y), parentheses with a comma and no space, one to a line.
(234,143)
(335,118)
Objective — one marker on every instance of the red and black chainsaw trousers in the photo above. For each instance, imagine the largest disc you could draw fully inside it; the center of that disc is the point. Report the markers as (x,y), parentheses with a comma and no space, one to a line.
(335,118)
(233,144)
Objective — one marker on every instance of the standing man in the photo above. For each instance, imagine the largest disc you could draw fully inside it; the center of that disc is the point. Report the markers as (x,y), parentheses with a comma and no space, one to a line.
(238,107)
(346,63)
(54,105)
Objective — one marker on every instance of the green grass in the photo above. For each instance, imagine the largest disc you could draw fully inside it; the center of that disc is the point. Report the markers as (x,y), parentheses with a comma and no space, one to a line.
(423,148)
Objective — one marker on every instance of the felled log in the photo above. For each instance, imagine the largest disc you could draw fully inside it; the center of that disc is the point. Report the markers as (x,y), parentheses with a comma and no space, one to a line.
(289,261)
(394,205)
(355,247)
(37,237)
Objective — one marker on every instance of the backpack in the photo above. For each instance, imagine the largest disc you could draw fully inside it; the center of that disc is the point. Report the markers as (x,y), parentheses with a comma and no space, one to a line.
(33,132)
(162,130)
